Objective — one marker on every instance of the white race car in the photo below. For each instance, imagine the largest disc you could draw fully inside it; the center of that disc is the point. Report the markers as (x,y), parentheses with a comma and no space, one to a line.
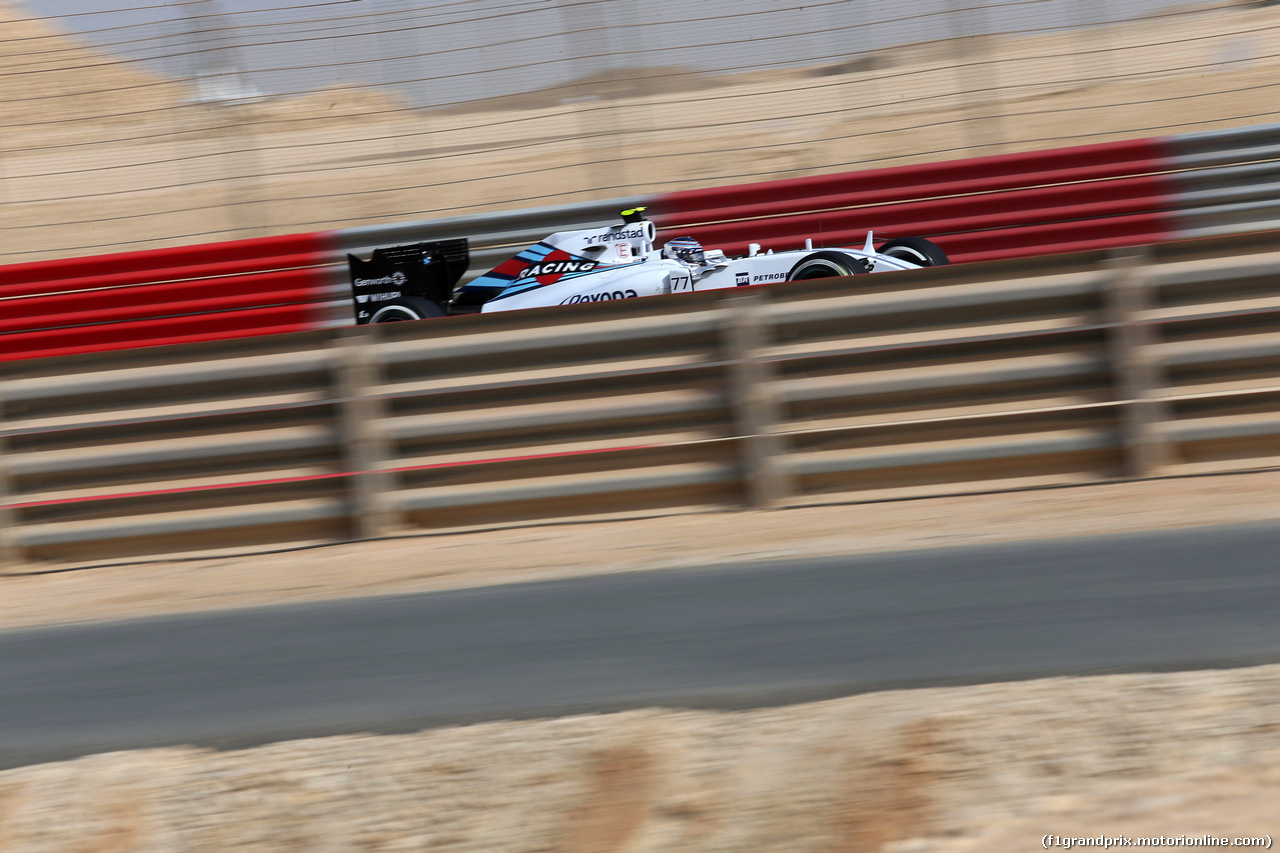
(596,265)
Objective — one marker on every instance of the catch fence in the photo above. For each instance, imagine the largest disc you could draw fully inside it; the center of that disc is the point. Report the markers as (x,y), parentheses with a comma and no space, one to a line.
(131,127)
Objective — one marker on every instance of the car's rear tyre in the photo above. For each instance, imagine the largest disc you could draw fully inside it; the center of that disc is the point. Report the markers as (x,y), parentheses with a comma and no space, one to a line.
(826,265)
(916,250)
(406,308)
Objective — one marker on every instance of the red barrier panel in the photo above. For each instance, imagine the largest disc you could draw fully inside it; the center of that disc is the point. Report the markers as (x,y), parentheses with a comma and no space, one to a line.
(1004,206)
(196,272)
(176,295)
(922,180)
(943,216)
(168,330)
(1080,236)
(184,297)
(207,259)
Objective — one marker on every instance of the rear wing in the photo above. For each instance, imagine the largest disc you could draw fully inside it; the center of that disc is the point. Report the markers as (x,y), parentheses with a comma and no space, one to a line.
(429,270)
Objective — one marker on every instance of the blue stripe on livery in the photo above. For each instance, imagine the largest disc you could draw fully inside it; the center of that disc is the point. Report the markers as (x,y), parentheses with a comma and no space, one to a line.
(510,269)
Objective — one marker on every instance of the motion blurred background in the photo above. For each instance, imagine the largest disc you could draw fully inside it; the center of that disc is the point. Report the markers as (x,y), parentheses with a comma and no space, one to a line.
(133,125)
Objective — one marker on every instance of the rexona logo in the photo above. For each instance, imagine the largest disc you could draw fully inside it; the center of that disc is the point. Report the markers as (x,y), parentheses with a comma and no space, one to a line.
(556,268)
(611,236)
(600,297)
(396,279)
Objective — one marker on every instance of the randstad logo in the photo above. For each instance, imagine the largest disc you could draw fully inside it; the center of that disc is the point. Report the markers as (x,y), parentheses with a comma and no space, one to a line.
(610,236)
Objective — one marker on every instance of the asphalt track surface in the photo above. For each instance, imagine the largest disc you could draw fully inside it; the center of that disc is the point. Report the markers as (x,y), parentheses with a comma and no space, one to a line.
(731,636)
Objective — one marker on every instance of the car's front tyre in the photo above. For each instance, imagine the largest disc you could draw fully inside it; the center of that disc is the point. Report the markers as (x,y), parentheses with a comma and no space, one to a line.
(916,250)
(406,308)
(826,265)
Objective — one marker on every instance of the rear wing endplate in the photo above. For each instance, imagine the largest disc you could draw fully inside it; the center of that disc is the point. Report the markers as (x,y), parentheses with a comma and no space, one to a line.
(429,270)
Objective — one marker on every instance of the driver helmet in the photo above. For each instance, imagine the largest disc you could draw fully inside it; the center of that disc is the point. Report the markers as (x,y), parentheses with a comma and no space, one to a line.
(686,250)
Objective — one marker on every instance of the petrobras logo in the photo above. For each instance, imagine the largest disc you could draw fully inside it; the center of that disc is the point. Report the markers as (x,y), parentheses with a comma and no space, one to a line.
(557,268)
(612,236)
(376,297)
(773,276)
(606,296)
(741,278)
(396,279)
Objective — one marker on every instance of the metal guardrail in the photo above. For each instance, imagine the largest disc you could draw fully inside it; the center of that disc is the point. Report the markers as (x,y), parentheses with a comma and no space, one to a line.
(1034,371)
(1227,181)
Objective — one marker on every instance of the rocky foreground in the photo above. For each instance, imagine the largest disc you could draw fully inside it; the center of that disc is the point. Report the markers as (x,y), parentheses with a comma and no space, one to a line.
(990,768)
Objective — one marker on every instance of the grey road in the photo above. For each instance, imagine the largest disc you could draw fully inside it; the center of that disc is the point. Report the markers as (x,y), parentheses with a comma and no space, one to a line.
(724,636)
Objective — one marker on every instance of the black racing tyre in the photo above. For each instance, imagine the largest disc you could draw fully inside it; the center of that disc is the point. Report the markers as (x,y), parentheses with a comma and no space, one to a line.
(826,265)
(406,308)
(916,250)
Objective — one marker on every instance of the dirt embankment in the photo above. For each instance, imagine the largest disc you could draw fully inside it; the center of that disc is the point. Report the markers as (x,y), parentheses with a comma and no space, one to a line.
(988,768)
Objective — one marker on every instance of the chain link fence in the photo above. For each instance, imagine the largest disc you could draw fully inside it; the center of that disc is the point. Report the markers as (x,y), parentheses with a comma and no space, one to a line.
(138,126)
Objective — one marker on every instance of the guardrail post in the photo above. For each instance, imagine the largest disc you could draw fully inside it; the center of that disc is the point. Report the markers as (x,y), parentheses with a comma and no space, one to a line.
(10,547)
(365,445)
(756,409)
(1138,376)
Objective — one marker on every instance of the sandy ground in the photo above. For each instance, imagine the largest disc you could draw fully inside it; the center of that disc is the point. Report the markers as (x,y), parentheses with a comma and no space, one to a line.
(987,768)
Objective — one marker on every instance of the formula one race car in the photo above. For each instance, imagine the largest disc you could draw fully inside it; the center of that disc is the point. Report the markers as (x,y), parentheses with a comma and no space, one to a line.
(614,262)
